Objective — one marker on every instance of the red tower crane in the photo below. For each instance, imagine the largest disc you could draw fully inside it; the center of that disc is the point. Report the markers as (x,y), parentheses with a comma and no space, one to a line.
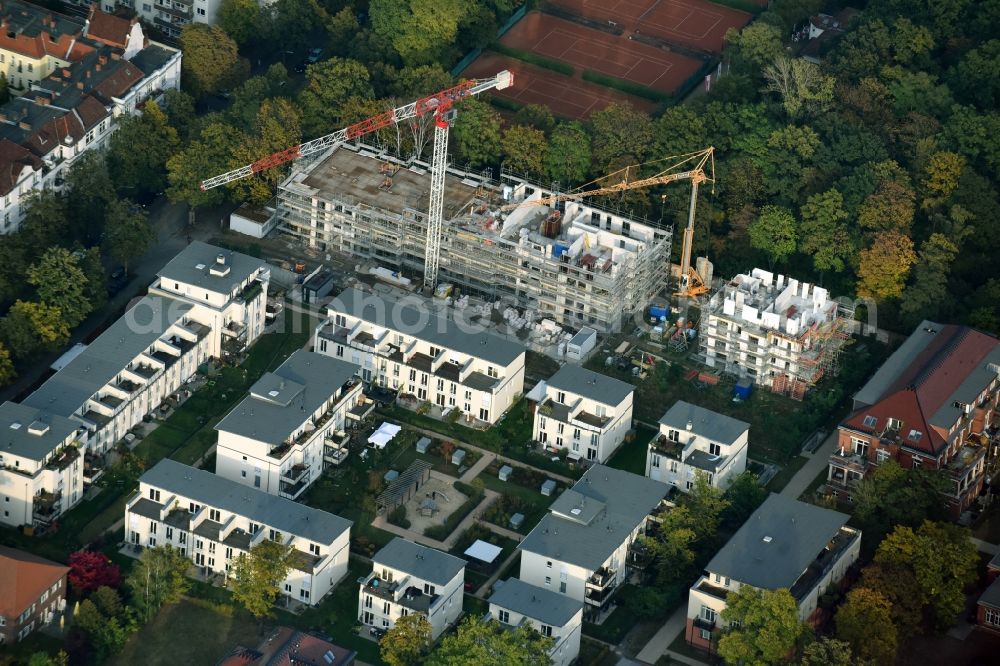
(441,104)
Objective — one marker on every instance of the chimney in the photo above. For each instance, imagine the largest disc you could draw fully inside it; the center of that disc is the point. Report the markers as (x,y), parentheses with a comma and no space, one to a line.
(115,55)
(97,68)
(103,59)
(24,124)
(88,71)
(42,101)
(66,72)
(79,84)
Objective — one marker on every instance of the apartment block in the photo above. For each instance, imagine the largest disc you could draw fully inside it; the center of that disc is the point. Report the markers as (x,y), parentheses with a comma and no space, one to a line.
(583,411)
(429,357)
(32,593)
(41,465)
(279,437)
(213,520)
(932,404)
(515,603)
(694,440)
(584,547)
(72,77)
(785,544)
(409,578)
(784,334)
(574,263)
(206,302)
(169,16)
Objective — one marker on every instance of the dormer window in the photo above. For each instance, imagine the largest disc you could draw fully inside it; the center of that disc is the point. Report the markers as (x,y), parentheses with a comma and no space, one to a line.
(871,421)
(893,424)
(915,435)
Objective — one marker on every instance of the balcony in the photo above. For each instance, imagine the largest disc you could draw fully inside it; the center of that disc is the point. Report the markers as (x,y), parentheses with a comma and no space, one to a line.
(145,371)
(63,459)
(382,589)
(110,401)
(294,481)
(127,386)
(93,467)
(334,453)
(668,448)
(46,507)
(251,291)
(601,578)
(640,555)
(234,329)
(824,562)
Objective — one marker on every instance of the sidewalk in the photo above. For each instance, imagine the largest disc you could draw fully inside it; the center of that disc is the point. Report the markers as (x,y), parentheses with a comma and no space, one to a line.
(659,644)
(818,461)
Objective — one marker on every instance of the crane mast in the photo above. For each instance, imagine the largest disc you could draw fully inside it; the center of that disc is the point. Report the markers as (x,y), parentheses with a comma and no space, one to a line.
(441,104)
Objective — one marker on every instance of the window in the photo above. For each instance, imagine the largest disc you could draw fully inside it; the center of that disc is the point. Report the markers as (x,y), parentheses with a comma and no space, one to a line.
(708,614)
(314,548)
(152,527)
(714,449)
(368,600)
(215,514)
(201,12)
(194,508)
(916,462)
(655,461)
(429,589)
(548,580)
(340,351)
(170,533)
(546,630)
(705,634)
(413,375)
(504,616)
(881,455)
(386,608)
(561,397)
(492,372)
(860,446)
(154,495)
(274,535)
(548,564)
(674,436)
(229,553)
(562,587)
(183,538)
(915,435)
(894,424)
(871,421)
(991,616)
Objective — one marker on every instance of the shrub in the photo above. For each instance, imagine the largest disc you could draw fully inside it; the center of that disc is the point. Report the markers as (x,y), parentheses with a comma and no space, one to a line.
(625,86)
(398,517)
(535,59)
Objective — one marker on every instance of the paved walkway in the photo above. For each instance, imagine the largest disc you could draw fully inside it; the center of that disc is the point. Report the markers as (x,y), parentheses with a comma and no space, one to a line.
(490,496)
(660,642)
(485,587)
(818,461)
(474,471)
(985,547)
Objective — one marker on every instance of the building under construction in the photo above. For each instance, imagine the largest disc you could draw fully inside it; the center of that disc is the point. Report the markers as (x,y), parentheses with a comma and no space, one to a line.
(574,263)
(783,333)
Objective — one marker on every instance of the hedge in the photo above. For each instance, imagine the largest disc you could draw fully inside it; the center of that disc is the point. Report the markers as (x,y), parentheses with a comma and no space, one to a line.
(534,59)
(742,5)
(625,86)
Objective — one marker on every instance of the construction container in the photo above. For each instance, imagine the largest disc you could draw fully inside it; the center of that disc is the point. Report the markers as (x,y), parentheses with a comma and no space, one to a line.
(516,520)
(559,250)
(658,312)
(505,472)
(423,444)
(457,457)
(548,487)
(743,389)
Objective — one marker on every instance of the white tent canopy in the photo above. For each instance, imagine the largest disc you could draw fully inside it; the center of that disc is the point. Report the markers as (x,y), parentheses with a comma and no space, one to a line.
(483,551)
(384,435)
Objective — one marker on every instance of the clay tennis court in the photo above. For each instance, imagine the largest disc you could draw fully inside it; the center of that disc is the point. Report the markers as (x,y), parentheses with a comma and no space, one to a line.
(693,23)
(566,97)
(590,49)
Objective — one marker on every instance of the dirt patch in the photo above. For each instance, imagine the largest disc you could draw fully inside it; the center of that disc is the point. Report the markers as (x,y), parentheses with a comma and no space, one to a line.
(440,491)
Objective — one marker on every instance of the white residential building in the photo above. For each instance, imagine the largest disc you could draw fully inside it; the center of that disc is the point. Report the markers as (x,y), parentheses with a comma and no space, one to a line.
(403,346)
(41,465)
(583,546)
(784,334)
(583,411)
(275,439)
(693,439)
(785,544)
(74,79)
(515,603)
(205,295)
(213,520)
(409,578)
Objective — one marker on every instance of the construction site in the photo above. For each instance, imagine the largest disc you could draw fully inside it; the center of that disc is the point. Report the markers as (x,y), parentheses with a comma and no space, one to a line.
(505,239)
(782,333)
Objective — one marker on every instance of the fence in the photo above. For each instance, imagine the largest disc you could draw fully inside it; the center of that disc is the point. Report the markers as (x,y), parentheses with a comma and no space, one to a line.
(475,53)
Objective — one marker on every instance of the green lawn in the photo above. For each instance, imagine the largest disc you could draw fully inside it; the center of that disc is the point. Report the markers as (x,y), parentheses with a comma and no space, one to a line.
(534,503)
(539,365)
(189,633)
(631,456)
(593,653)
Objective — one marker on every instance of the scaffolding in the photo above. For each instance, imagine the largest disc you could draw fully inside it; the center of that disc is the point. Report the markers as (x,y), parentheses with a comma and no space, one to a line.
(575,263)
(784,334)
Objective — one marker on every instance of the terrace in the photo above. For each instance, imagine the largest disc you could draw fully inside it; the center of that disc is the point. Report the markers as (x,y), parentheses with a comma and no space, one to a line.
(63,459)
(46,506)
(251,291)
(824,562)
(127,386)
(668,448)
(110,401)
(711,590)
(302,561)
(165,358)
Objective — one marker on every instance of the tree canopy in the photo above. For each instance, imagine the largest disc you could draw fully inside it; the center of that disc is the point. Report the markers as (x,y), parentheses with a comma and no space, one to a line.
(477,641)
(255,577)
(764,626)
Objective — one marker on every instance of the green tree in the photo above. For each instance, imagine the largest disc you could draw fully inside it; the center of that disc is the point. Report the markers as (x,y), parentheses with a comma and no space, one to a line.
(209,155)
(567,160)
(524,149)
(159,578)
(128,233)
(179,107)
(885,265)
(31,327)
(421,31)
(823,232)
(60,658)
(827,652)
(211,58)
(60,282)
(96,287)
(255,576)
(276,128)
(757,45)
(940,561)
(488,644)
(680,130)
(537,116)
(620,136)
(140,174)
(476,134)
(329,85)
(976,76)
(864,621)
(744,495)
(7,372)
(890,208)
(928,292)
(89,189)
(705,503)
(673,550)
(802,87)
(767,627)
(407,642)
(648,603)
(941,178)
(891,495)
(240,19)
(108,601)
(774,232)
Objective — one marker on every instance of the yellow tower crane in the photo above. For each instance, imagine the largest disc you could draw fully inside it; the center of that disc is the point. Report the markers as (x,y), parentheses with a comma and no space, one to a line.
(698,167)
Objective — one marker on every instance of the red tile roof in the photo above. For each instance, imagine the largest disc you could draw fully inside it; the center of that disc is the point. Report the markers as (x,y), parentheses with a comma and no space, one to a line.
(288,647)
(108,28)
(23,578)
(13,159)
(119,83)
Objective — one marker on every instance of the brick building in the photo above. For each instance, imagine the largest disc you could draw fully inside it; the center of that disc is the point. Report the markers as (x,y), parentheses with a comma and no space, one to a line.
(32,592)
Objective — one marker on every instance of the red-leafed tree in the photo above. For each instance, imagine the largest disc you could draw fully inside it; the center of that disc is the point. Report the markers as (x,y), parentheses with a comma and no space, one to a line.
(89,570)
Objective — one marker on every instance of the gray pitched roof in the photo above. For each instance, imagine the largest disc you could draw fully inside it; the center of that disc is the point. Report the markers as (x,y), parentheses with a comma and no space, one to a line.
(797,533)
(897,363)
(704,422)
(66,391)
(413,318)
(590,384)
(20,434)
(193,265)
(589,521)
(546,606)
(212,490)
(281,401)
(991,597)
(419,561)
